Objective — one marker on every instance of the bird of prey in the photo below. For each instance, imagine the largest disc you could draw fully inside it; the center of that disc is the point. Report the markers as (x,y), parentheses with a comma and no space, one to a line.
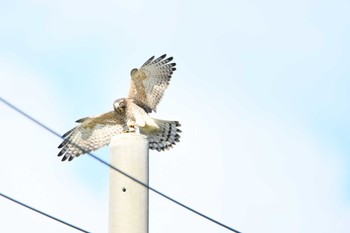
(129,114)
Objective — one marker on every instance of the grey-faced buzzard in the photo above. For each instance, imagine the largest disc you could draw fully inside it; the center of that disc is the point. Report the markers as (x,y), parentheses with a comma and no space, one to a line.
(129,114)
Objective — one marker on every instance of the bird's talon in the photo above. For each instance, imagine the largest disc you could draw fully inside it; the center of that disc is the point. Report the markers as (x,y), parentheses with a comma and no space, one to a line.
(131,129)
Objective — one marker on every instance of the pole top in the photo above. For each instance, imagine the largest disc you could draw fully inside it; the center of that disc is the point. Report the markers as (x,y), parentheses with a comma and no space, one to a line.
(128,137)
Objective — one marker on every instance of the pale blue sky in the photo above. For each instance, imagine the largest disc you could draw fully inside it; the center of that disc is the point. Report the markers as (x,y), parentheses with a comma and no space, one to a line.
(262,91)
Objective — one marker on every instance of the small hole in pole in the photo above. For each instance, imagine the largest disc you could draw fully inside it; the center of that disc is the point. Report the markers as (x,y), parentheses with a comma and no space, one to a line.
(124,189)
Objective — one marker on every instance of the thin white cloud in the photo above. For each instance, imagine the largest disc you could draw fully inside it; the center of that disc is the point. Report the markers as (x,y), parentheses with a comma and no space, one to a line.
(30,171)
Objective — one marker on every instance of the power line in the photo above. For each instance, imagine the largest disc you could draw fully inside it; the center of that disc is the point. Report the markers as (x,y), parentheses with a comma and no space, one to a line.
(40,212)
(116,169)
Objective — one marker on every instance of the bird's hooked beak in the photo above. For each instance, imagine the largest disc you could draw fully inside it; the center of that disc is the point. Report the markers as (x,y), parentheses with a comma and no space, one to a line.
(119,105)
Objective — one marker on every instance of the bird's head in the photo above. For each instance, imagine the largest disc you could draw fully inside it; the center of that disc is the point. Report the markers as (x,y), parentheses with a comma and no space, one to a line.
(119,105)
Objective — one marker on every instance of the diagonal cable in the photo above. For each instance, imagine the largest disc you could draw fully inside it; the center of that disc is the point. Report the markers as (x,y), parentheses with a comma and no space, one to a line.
(117,169)
(43,213)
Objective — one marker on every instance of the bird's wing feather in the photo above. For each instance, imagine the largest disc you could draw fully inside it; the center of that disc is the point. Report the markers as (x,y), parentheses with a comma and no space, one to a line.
(92,134)
(150,81)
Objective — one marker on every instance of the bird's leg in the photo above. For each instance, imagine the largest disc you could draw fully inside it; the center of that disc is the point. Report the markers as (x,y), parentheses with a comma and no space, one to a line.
(130,127)
(125,129)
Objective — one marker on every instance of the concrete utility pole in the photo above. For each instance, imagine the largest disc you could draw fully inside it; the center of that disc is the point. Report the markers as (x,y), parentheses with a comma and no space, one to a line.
(128,200)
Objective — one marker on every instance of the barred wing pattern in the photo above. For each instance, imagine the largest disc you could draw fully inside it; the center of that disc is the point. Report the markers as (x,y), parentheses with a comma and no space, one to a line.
(92,134)
(150,81)
(165,138)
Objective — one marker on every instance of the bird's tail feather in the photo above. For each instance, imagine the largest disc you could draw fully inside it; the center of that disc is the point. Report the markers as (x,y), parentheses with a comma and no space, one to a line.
(165,137)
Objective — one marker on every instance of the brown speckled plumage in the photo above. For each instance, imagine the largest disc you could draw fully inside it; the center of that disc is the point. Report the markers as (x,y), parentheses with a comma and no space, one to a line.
(147,89)
(150,81)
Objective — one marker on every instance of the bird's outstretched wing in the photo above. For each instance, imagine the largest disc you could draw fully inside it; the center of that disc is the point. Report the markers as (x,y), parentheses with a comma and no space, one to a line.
(150,81)
(92,134)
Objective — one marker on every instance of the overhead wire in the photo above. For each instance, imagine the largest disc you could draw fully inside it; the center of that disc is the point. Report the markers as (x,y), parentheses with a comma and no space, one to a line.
(43,213)
(117,169)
